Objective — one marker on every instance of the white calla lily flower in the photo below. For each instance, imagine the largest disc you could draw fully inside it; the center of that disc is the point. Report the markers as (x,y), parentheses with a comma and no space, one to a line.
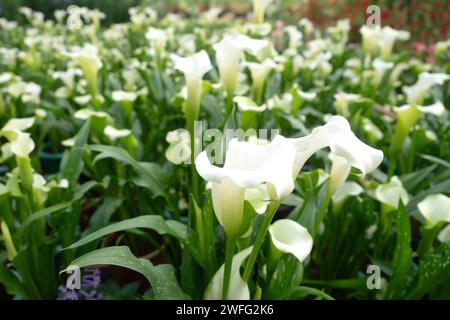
(391,193)
(260,72)
(253,46)
(417,92)
(246,104)
(387,39)
(370,36)
(342,101)
(380,68)
(289,236)
(348,189)
(295,36)
(85,114)
(158,37)
(407,117)
(259,9)
(338,136)
(258,198)
(238,289)
(194,68)
(228,56)
(126,96)
(20,124)
(247,166)
(89,61)
(113,134)
(435,209)
(22,145)
(444,234)
(340,169)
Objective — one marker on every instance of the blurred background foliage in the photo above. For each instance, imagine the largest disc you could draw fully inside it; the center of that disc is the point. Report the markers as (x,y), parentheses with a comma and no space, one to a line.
(427,20)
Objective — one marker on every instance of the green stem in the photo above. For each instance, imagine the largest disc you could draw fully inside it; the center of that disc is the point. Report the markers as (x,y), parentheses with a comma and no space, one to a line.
(426,243)
(194,174)
(322,212)
(259,239)
(229,251)
(228,112)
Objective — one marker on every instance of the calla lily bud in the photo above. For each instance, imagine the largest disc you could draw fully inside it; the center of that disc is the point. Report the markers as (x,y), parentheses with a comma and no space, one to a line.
(9,244)
(194,68)
(435,209)
(259,9)
(289,236)
(390,194)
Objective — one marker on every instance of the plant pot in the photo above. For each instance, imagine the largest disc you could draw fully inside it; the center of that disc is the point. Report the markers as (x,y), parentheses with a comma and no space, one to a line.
(3,170)
(50,161)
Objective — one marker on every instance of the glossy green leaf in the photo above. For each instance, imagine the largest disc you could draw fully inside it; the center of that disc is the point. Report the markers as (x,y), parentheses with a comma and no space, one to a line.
(162,277)
(157,223)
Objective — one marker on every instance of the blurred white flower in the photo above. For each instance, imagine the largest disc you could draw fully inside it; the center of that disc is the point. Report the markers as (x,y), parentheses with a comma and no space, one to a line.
(391,193)
(289,236)
(435,209)
(417,92)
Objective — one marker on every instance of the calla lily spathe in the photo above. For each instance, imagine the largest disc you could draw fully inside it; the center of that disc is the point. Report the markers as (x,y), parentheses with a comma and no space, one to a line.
(277,164)
(194,68)
(391,193)
(259,9)
(289,236)
(87,58)
(417,92)
(435,209)
(21,143)
(338,136)
(387,40)
(228,56)
(247,166)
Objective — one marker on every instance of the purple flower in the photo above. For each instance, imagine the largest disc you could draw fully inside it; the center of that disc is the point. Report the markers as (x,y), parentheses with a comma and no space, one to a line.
(90,281)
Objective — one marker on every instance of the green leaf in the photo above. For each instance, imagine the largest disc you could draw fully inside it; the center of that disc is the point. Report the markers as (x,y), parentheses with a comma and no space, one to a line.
(102,215)
(60,206)
(152,175)
(288,274)
(72,162)
(157,223)
(12,284)
(437,160)
(303,292)
(434,269)
(402,260)
(162,277)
